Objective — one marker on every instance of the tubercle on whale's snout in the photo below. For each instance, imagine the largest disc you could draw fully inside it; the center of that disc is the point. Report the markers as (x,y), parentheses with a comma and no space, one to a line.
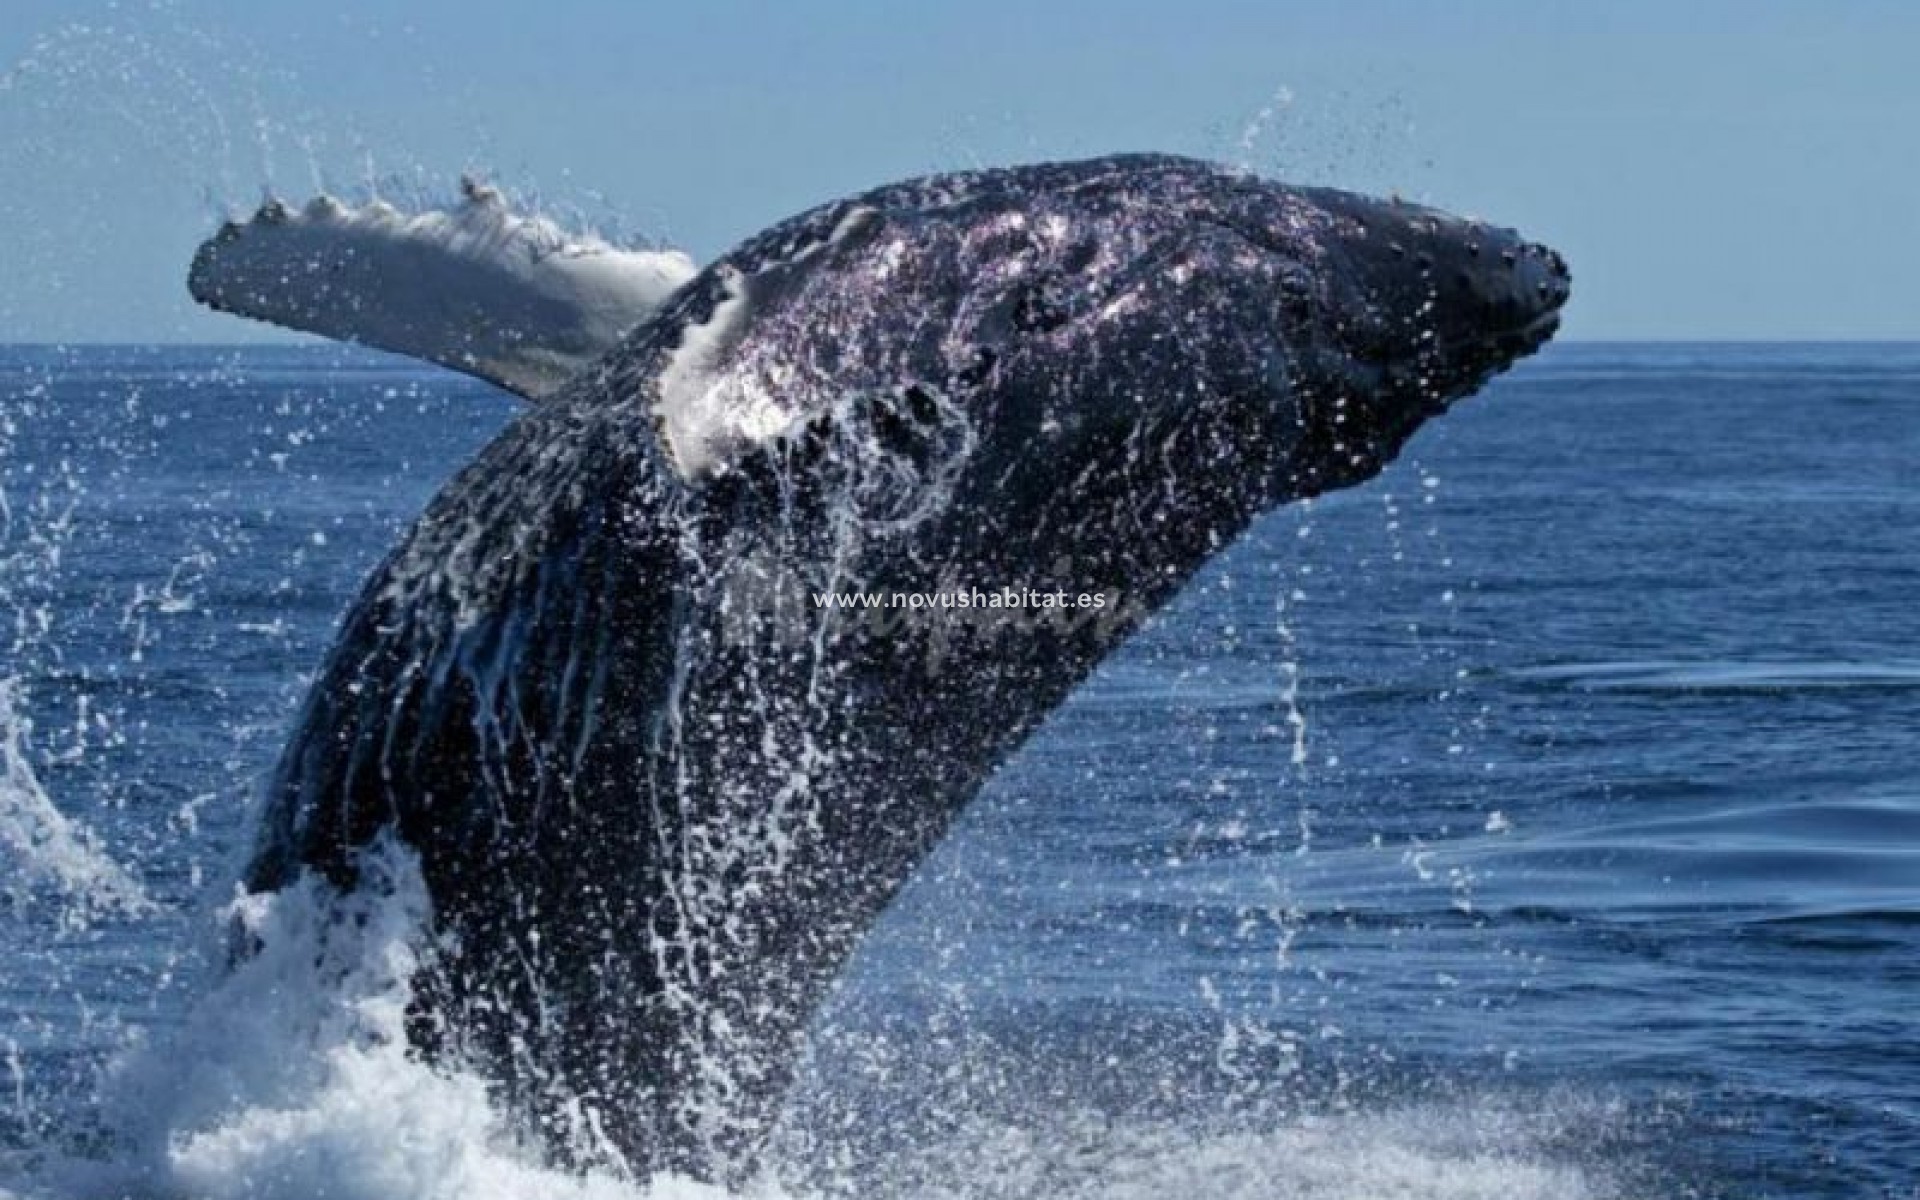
(1510,285)
(1456,300)
(1537,276)
(1459,277)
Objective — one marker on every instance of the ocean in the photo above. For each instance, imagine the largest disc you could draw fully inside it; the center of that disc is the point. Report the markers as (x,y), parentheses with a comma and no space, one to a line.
(1539,819)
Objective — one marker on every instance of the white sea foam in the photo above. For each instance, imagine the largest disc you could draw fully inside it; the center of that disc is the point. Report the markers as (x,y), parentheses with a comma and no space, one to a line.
(41,850)
(1423,1152)
(292,1079)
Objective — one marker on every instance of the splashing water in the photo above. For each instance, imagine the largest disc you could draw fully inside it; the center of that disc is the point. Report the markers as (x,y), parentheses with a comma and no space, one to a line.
(42,850)
(292,1077)
(292,1074)
(43,855)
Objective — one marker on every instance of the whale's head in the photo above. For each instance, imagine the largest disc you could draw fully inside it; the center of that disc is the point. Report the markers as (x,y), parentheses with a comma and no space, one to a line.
(1144,342)
(1291,338)
(1294,338)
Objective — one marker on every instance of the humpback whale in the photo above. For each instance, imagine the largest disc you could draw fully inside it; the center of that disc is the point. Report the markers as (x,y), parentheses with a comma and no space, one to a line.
(657,794)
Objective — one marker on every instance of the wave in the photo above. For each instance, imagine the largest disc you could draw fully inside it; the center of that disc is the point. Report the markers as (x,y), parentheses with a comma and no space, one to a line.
(1664,675)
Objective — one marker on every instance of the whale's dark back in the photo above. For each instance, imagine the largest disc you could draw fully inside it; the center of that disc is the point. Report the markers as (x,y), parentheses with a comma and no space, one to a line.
(657,793)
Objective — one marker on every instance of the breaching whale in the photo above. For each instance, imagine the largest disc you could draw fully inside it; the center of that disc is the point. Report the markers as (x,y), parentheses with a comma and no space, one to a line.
(657,793)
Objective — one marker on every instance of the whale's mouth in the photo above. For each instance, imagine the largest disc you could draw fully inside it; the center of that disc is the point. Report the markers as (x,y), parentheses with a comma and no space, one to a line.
(1471,365)
(1529,338)
(1537,332)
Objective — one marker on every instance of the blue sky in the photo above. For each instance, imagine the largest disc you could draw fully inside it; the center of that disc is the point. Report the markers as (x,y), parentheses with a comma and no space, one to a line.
(1739,170)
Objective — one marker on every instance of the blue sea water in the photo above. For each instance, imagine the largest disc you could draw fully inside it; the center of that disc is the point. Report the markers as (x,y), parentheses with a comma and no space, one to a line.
(1541,818)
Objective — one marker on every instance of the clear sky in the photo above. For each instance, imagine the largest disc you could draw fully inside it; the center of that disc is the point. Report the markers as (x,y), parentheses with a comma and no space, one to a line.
(1712,169)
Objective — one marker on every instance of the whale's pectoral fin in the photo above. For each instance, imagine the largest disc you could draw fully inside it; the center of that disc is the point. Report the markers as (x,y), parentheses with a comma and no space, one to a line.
(508,296)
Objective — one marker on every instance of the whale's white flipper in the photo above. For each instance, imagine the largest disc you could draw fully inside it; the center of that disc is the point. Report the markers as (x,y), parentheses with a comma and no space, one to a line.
(508,296)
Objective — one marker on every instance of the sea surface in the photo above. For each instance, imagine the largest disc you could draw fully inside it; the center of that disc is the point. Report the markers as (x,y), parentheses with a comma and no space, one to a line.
(1540,819)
